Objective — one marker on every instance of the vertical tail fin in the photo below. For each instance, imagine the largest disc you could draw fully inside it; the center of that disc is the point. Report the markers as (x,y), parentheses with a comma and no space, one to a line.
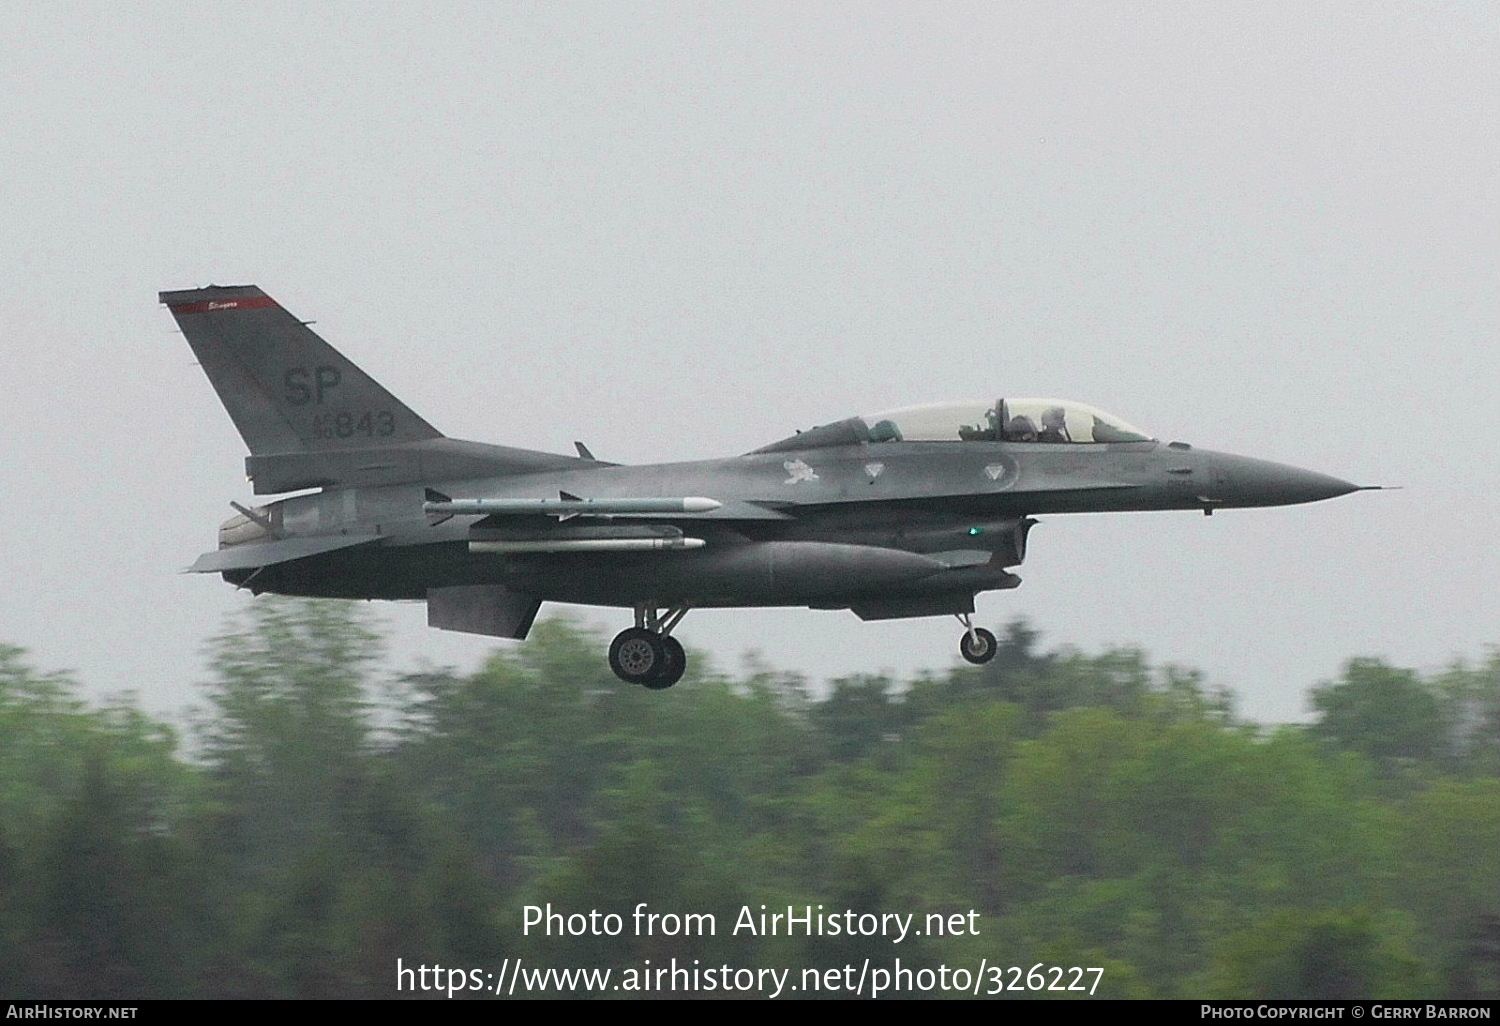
(286,389)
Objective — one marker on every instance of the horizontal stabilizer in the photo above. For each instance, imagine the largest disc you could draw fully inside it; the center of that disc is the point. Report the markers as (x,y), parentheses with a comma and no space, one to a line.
(252,557)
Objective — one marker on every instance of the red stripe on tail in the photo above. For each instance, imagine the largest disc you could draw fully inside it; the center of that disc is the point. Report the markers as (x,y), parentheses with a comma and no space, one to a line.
(247,303)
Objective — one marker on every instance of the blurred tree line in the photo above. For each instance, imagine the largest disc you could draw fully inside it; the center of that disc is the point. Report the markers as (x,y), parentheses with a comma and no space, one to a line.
(319,822)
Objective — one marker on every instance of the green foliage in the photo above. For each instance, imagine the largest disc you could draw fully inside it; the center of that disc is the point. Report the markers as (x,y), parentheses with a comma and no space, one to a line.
(1324,955)
(1448,848)
(1385,713)
(1469,700)
(1093,809)
(93,806)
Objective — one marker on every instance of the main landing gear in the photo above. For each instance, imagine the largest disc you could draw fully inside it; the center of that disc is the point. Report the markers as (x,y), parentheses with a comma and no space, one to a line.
(647,653)
(977,645)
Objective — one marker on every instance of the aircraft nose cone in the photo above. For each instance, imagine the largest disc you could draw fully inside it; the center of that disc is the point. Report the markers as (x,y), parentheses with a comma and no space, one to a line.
(1250,482)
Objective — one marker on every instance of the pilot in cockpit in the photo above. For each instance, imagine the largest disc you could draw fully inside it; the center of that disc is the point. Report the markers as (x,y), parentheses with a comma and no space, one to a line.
(1054,425)
(1020,429)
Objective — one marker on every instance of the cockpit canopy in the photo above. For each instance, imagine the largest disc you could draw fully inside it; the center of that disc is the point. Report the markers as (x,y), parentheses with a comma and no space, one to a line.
(1005,420)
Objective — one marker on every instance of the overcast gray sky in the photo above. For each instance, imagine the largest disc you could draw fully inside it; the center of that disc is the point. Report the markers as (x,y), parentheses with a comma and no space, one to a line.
(684,230)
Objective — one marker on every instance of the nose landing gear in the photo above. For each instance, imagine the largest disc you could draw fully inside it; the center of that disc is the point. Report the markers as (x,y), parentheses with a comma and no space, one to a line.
(647,654)
(977,645)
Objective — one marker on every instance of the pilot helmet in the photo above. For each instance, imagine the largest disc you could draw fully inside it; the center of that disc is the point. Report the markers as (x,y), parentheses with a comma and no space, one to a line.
(1021,429)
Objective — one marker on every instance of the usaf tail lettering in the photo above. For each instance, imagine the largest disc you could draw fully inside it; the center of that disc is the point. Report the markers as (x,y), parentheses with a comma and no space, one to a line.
(904,513)
(304,385)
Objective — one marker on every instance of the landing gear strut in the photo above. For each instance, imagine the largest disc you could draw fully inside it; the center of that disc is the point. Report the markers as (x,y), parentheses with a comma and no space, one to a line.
(977,645)
(647,653)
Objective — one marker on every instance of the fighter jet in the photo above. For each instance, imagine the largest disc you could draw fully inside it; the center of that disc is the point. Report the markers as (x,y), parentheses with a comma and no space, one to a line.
(905,513)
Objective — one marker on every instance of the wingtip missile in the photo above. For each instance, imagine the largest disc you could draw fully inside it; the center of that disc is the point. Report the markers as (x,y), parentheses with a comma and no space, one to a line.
(567,506)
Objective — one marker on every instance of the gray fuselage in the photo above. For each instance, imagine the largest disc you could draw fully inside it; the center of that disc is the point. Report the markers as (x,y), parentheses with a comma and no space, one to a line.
(823,525)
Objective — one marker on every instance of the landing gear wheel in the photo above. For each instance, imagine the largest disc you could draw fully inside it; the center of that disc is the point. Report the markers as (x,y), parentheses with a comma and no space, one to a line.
(672,668)
(978,647)
(637,655)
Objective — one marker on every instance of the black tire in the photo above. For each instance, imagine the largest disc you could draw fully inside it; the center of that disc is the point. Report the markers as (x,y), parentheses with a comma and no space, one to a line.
(981,653)
(637,655)
(674,666)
